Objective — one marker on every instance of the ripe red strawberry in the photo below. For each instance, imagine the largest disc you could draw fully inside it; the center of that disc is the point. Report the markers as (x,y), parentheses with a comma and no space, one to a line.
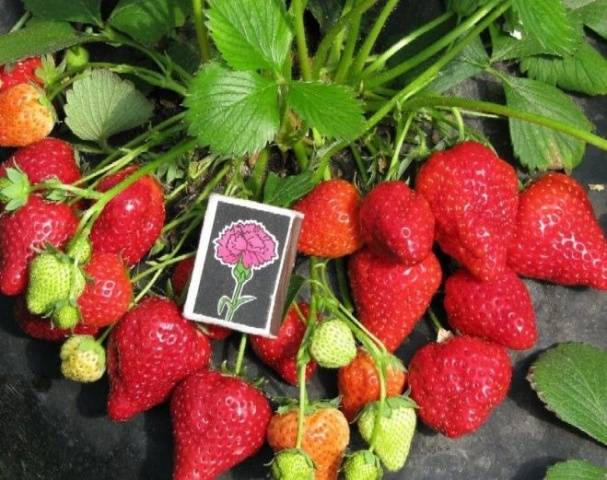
(26,116)
(23,71)
(331,225)
(458,383)
(151,350)
(26,231)
(218,422)
(43,329)
(397,222)
(108,292)
(179,280)
(281,353)
(557,236)
(474,197)
(499,311)
(43,160)
(130,223)
(391,297)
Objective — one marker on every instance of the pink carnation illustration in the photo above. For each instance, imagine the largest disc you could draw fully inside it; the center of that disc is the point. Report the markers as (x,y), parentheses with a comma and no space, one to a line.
(248,242)
(245,246)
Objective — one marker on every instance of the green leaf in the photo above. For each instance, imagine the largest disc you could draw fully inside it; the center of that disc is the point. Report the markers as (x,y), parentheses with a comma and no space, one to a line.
(147,21)
(326,12)
(331,109)
(85,11)
(295,284)
(593,13)
(576,470)
(507,47)
(101,104)
(550,24)
(235,113)
(250,34)
(584,72)
(284,191)
(538,147)
(571,379)
(39,38)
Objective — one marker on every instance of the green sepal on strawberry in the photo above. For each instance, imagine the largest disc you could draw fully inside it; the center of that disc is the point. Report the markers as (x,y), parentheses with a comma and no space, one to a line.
(396,428)
(292,464)
(363,465)
(82,359)
(333,344)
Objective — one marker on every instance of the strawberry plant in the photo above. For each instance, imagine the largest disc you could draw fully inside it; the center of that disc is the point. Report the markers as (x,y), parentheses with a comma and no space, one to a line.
(305,104)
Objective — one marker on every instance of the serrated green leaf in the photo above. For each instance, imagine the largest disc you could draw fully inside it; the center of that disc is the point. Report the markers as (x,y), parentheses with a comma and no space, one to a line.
(549,23)
(538,147)
(102,104)
(148,21)
(234,113)
(250,34)
(584,72)
(331,109)
(571,379)
(576,470)
(507,47)
(85,11)
(284,191)
(593,13)
(39,38)
(326,12)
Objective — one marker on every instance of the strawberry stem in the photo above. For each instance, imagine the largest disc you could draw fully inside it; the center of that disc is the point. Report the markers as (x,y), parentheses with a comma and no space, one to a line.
(300,38)
(161,266)
(342,282)
(202,35)
(436,324)
(241,350)
(105,334)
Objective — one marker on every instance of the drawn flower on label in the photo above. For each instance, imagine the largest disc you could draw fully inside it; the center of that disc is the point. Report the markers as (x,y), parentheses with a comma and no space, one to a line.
(245,246)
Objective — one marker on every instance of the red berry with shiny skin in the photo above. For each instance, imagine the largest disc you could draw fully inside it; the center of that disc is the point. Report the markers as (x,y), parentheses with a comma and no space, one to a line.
(391,297)
(458,383)
(397,222)
(23,71)
(27,231)
(280,353)
(499,311)
(132,221)
(557,236)
(108,291)
(151,350)
(474,196)
(330,227)
(218,422)
(43,329)
(46,159)
(179,280)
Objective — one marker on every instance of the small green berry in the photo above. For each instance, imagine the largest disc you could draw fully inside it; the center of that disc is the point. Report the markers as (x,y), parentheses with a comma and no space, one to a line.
(66,317)
(292,464)
(49,283)
(80,250)
(82,359)
(363,465)
(77,57)
(333,344)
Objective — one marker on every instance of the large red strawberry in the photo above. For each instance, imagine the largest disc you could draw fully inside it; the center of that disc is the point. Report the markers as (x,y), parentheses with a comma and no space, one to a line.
(26,115)
(280,353)
(458,383)
(43,329)
(397,222)
(218,422)
(23,71)
(500,311)
(331,225)
(474,197)
(151,350)
(391,297)
(43,160)
(108,291)
(131,222)
(179,281)
(557,236)
(24,232)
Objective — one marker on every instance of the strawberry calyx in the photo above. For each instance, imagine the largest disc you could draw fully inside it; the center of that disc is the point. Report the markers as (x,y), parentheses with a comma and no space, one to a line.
(15,189)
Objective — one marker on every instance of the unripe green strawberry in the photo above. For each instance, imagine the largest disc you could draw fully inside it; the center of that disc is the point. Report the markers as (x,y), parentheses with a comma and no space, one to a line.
(77,57)
(363,465)
(396,429)
(82,359)
(293,464)
(333,344)
(66,317)
(80,250)
(49,283)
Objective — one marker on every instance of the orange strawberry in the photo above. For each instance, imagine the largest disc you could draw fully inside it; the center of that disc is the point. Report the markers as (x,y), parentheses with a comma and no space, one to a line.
(330,226)
(359,383)
(326,437)
(26,116)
